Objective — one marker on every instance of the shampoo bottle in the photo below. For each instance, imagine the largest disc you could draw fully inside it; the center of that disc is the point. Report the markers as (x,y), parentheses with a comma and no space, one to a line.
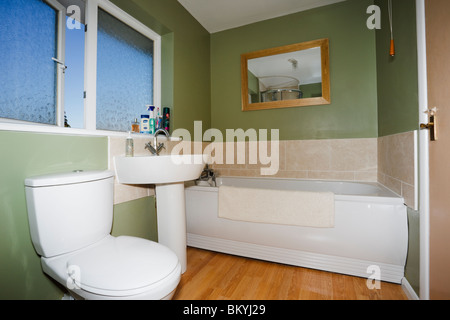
(145,123)
(152,123)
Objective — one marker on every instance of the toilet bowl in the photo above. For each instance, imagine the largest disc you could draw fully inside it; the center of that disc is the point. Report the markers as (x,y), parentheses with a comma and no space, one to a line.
(70,219)
(117,268)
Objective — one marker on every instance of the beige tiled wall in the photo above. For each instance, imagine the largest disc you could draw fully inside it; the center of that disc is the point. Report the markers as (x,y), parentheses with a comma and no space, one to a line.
(396,165)
(348,160)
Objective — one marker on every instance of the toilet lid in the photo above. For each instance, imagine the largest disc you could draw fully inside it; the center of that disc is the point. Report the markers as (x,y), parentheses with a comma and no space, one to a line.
(121,264)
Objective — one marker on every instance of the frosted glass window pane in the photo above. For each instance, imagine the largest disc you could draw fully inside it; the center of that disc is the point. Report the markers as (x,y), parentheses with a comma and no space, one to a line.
(124,74)
(28,73)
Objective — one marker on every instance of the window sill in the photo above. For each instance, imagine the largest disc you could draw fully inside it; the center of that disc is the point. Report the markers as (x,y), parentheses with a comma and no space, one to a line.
(39,128)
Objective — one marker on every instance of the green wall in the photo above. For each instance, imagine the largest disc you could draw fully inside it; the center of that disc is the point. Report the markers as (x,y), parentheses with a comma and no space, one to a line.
(136,218)
(353,110)
(398,103)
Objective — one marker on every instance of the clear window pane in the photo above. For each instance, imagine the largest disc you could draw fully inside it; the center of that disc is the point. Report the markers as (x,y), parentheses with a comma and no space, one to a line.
(74,77)
(28,73)
(124,74)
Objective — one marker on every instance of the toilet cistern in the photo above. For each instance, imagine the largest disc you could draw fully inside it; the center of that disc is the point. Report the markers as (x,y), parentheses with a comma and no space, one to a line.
(156,148)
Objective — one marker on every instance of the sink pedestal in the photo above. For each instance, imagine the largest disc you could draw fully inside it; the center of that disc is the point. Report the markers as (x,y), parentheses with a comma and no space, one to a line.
(171,216)
(167,173)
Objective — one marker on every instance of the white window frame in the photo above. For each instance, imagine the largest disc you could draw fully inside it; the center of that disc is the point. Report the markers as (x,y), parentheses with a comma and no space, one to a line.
(60,56)
(90,71)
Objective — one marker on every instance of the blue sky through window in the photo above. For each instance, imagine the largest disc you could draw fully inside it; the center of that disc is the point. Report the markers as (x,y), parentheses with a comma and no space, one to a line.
(74,79)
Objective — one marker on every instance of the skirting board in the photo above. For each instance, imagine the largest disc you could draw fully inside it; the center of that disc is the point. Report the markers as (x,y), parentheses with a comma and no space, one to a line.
(353,267)
(409,291)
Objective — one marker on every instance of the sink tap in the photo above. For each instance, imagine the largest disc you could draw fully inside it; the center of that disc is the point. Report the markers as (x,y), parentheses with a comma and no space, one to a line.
(150,148)
(156,148)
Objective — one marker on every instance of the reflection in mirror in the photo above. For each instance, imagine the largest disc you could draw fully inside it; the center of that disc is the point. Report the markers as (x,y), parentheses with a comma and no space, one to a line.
(293,75)
(289,76)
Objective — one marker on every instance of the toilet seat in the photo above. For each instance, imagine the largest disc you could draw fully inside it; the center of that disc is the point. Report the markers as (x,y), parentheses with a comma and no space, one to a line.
(118,267)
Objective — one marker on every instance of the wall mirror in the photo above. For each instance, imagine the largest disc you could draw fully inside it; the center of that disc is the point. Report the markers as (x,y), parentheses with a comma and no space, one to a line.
(290,76)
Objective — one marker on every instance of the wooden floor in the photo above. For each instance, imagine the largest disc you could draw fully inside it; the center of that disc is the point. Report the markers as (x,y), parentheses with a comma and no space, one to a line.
(216,276)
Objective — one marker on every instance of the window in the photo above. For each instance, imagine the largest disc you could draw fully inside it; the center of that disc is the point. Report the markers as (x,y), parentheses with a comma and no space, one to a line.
(28,36)
(125,89)
(54,71)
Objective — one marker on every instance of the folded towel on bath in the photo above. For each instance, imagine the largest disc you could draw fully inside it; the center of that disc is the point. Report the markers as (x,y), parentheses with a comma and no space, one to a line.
(286,207)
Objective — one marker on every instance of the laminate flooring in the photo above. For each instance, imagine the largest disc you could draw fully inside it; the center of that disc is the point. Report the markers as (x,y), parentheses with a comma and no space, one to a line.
(216,276)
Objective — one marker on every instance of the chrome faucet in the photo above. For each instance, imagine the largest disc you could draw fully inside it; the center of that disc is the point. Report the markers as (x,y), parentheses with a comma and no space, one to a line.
(207,175)
(156,148)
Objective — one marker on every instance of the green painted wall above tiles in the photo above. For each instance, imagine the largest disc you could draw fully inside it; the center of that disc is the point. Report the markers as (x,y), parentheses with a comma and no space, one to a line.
(398,102)
(353,109)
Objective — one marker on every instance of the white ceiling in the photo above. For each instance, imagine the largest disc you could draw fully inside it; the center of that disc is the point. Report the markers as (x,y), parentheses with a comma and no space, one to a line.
(219,15)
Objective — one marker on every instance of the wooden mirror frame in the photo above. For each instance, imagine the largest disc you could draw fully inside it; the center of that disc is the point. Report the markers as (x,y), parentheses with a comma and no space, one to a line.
(325,99)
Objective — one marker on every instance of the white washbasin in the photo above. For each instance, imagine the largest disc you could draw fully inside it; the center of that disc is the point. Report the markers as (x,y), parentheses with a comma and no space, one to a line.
(158,169)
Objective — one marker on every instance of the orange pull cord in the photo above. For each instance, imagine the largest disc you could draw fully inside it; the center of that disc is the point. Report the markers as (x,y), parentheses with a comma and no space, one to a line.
(392,49)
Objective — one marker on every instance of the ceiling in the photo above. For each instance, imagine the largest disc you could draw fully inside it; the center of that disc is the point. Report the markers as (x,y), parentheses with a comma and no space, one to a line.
(219,15)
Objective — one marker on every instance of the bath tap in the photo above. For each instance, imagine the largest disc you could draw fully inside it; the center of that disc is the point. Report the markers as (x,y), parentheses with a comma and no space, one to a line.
(207,174)
(156,148)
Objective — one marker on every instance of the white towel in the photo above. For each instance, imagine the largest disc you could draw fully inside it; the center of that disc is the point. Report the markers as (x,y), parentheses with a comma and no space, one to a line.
(298,208)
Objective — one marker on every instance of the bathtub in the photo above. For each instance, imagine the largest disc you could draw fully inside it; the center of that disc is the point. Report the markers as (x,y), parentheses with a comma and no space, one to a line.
(369,238)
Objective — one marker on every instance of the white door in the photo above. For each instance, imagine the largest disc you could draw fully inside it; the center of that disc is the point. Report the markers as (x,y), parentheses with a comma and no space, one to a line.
(435,210)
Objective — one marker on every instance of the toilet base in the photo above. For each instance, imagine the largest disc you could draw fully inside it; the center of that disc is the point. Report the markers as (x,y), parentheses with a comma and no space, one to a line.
(73,296)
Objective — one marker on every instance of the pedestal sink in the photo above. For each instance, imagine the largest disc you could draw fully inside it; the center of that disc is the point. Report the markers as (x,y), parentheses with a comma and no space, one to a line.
(168,173)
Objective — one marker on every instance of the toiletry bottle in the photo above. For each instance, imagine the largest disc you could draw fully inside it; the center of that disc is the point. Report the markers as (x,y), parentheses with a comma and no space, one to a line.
(145,128)
(152,123)
(129,146)
(135,126)
(166,119)
(158,118)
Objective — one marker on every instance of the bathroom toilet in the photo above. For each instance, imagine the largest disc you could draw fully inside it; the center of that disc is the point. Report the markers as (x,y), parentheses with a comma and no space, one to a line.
(70,217)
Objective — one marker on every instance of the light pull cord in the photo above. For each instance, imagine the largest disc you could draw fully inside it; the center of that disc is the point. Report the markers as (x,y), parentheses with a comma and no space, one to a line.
(392,49)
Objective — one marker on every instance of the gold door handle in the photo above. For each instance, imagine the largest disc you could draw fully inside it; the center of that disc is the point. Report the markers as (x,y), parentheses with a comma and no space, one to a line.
(432,124)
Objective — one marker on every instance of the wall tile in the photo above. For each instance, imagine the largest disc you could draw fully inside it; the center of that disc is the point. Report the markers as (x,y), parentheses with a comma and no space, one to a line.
(308,155)
(396,167)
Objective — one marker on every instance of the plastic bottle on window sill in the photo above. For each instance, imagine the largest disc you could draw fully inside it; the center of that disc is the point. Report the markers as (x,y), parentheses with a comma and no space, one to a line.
(145,123)
(135,126)
(129,146)
(158,118)
(166,119)
(152,119)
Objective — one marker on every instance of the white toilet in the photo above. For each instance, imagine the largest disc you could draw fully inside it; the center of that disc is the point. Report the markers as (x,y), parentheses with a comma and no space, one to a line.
(70,219)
